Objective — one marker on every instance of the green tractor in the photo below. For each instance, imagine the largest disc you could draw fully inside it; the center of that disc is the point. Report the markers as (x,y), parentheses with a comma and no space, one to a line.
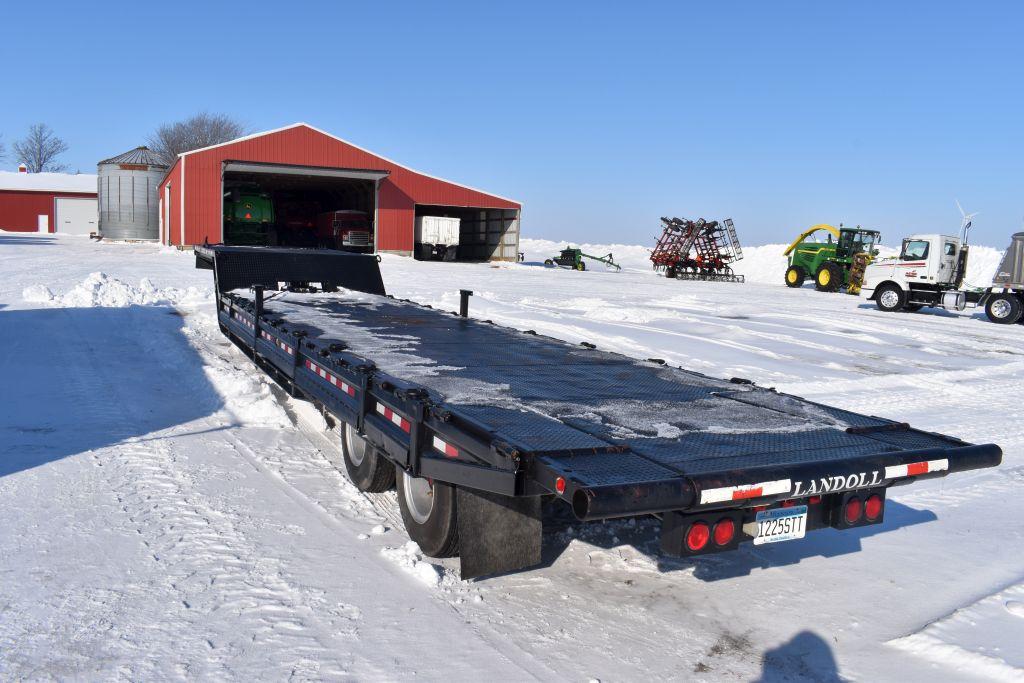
(832,264)
(248,217)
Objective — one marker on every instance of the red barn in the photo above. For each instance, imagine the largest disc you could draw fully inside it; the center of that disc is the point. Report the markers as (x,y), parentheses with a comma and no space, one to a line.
(306,171)
(48,202)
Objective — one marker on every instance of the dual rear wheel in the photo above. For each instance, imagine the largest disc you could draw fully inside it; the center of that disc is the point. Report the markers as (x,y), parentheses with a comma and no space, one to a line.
(428,507)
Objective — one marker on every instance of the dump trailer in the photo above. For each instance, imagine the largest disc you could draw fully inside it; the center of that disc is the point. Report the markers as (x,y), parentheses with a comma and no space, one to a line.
(477,425)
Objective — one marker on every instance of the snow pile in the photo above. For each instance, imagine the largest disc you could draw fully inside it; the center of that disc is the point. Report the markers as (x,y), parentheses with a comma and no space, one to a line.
(100,289)
(246,395)
(410,559)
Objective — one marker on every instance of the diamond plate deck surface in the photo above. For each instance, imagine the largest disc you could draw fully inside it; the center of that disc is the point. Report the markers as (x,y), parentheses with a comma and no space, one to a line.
(548,396)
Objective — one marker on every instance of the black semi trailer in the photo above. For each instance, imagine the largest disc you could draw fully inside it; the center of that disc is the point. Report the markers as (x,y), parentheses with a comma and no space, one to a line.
(477,424)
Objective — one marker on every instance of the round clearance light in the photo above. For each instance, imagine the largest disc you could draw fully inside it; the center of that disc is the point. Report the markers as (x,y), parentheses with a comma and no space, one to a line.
(725,529)
(698,535)
(853,510)
(560,485)
(873,507)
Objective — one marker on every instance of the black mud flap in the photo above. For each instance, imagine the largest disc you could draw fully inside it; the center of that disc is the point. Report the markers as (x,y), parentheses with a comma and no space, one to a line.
(497,533)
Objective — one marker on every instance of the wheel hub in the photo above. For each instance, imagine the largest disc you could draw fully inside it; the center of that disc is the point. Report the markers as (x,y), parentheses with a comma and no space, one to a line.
(356,446)
(890,299)
(1001,308)
(419,496)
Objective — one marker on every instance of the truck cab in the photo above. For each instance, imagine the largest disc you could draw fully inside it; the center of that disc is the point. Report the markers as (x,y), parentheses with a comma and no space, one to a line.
(926,268)
(346,230)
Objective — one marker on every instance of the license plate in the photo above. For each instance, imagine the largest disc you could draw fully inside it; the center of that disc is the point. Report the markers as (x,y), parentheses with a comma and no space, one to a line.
(780,524)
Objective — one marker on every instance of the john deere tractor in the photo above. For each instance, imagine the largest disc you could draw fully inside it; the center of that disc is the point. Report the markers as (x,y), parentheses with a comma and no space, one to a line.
(834,264)
(248,217)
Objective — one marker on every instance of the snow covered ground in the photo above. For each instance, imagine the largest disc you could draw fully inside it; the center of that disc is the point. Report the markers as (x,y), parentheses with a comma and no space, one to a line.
(168,514)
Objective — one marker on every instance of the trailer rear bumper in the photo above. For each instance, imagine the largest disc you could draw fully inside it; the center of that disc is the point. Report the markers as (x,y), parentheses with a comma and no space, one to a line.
(757,487)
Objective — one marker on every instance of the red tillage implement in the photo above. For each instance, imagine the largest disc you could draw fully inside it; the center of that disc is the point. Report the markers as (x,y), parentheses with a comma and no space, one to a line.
(698,250)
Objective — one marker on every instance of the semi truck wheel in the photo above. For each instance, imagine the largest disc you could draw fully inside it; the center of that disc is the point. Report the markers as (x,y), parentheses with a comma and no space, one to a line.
(428,510)
(829,277)
(795,276)
(890,298)
(1004,309)
(367,468)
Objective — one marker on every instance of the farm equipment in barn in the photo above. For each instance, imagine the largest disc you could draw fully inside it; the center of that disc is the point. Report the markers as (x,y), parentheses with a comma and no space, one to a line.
(833,265)
(573,258)
(248,217)
(698,250)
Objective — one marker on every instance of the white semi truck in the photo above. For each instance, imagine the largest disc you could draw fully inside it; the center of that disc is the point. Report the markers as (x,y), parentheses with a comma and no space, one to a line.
(929,271)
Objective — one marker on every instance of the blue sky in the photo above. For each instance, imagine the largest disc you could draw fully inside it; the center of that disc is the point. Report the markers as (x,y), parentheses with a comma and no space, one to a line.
(599,118)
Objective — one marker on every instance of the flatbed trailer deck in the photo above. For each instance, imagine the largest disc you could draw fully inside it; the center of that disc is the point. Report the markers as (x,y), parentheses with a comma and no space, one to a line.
(507,418)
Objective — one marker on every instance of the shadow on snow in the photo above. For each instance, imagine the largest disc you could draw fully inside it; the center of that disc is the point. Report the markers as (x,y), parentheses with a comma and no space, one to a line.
(80,379)
(644,535)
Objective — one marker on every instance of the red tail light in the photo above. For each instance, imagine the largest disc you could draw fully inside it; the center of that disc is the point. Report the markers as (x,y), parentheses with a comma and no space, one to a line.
(873,507)
(853,510)
(560,485)
(698,535)
(725,529)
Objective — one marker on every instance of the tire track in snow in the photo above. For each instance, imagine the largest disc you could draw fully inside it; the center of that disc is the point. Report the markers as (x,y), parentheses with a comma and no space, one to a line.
(227,598)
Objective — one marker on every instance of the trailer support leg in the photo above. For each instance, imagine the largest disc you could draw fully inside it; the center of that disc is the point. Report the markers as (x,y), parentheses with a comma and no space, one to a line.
(497,533)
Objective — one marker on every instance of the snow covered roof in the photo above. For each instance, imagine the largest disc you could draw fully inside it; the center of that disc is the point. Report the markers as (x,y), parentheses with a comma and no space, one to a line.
(48,182)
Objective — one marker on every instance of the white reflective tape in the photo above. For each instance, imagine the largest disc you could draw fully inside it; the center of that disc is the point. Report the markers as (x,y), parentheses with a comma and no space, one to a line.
(730,493)
(913,469)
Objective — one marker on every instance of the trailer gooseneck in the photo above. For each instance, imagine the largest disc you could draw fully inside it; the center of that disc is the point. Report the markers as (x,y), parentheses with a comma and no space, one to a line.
(477,424)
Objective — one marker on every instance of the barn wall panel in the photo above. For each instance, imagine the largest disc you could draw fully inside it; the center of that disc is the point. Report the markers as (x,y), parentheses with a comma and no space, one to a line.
(20,211)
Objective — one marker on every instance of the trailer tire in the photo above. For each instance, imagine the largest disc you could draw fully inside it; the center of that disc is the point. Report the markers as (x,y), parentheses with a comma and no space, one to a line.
(829,277)
(429,513)
(795,276)
(370,471)
(1004,309)
(890,298)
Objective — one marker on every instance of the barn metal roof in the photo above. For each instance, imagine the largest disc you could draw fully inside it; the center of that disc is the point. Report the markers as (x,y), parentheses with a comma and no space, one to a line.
(139,155)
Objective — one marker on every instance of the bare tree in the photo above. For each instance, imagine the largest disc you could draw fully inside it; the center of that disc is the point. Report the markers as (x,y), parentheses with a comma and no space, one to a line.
(39,149)
(202,130)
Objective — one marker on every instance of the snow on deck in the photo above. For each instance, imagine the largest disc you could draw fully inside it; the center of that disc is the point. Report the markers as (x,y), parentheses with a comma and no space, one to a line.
(166,517)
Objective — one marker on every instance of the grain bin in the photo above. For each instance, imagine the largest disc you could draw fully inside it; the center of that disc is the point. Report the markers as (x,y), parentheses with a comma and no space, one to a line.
(128,195)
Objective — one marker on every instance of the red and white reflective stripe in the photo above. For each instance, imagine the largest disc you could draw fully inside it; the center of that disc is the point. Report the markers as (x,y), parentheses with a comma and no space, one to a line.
(728,493)
(913,265)
(244,321)
(394,417)
(280,344)
(446,448)
(341,384)
(915,468)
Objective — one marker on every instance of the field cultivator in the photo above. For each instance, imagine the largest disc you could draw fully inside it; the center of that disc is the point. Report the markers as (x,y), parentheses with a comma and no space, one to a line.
(698,250)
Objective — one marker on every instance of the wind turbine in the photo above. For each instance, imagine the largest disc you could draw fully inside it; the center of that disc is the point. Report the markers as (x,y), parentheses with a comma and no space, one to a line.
(965,222)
